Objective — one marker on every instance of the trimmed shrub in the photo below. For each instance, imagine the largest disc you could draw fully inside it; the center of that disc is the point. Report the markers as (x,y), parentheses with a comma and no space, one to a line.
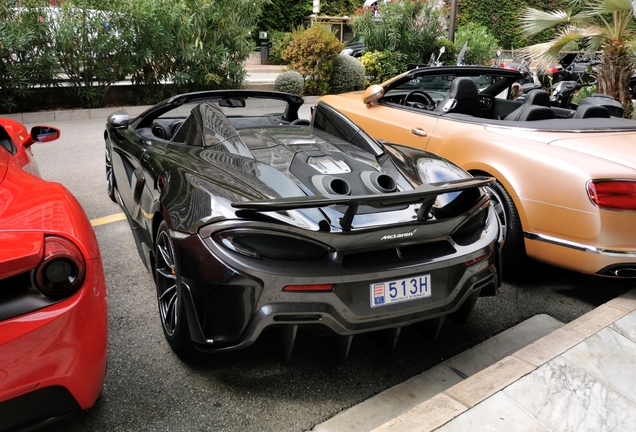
(348,74)
(311,53)
(379,66)
(290,82)
(482,46)
(279,41)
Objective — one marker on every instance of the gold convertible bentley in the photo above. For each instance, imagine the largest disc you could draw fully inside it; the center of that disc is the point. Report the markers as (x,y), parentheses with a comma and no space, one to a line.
(566,177)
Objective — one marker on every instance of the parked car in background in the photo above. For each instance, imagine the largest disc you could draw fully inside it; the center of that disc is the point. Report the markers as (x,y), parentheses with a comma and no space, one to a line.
(354,47)
(251,220)
(53,312)
(566,179)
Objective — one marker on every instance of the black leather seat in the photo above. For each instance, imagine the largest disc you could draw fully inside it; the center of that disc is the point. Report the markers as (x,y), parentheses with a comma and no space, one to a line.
(591,111)
(463,98)
(536,106)
(537,97)
(535,112)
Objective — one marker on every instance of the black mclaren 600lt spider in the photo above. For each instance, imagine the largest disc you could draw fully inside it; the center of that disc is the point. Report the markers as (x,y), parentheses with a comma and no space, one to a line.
(252,219)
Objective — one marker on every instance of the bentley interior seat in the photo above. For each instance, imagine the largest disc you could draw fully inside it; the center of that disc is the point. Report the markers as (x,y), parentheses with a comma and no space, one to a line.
(591,111)
(534,99)
(535,112)
(463,98)
(538,97)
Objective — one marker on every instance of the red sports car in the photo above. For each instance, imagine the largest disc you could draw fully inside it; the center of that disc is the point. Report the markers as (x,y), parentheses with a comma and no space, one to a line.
(53,313)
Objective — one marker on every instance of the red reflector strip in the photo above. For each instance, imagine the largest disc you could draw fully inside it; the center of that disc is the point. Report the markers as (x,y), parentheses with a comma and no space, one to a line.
(615,195)
(476,260)
(316,287)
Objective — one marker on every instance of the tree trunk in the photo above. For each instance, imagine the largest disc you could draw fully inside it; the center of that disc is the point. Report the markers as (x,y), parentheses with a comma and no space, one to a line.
(613,75)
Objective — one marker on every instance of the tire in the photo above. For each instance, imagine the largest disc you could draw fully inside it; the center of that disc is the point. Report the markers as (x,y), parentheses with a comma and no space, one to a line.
(514,250)
(169,293)
(110,176)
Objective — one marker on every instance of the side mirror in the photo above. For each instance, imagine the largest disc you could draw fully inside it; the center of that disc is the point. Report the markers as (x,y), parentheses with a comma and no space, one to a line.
(373,94)
(118,119)
(44,133)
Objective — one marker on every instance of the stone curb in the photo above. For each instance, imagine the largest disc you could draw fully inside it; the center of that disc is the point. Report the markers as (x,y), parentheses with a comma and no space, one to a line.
(459,398)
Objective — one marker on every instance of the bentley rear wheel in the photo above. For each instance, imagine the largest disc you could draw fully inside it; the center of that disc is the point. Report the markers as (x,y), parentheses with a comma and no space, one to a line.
(169,292)
(514,250)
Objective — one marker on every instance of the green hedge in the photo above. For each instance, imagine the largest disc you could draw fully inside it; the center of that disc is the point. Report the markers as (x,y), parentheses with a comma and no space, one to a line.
(501,18)
(88,45)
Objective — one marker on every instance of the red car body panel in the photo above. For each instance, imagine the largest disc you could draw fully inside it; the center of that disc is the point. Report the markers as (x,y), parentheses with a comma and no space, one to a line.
(65,343)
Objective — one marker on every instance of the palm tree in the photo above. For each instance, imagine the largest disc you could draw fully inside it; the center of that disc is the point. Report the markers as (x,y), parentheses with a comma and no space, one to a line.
(600,25)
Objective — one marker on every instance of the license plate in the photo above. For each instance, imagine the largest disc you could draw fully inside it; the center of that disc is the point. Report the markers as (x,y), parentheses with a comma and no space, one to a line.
(400,290)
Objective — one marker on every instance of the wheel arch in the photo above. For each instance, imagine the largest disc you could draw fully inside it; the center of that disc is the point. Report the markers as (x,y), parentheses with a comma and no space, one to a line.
(508,186)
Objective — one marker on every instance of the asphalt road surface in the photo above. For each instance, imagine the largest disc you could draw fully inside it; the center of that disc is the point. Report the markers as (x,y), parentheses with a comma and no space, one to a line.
(149,388)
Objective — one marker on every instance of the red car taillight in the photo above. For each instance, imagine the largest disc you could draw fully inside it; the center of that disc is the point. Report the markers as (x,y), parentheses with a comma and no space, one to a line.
(62,269)
(613,194)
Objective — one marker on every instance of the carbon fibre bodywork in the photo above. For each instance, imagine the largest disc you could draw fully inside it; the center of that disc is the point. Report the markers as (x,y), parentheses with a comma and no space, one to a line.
(249,221)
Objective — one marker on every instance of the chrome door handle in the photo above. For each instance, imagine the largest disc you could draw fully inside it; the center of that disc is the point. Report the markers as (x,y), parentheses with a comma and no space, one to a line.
(419,132)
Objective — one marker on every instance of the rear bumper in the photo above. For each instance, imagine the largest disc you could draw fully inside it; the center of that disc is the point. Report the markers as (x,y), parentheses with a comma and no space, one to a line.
(323,312)
(229,301)
(57,354)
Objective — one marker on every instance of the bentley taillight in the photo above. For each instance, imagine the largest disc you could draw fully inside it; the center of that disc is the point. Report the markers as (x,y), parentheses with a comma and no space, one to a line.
(61,271)
(613,194)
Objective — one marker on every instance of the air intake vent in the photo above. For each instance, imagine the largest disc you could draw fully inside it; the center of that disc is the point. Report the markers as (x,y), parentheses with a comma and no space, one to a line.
(378,182)
(330,185)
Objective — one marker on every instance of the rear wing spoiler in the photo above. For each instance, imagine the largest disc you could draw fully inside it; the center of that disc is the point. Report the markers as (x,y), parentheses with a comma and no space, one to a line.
(425,194)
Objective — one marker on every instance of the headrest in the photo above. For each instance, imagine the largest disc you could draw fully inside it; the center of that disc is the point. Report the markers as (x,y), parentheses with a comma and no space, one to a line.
(537,97)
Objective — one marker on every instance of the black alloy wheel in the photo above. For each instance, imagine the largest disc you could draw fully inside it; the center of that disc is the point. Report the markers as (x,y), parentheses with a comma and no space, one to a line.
(110,177)
(514,250)
(169,294)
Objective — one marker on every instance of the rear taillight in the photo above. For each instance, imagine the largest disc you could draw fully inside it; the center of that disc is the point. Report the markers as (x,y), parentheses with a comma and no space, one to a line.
(613,194)
(314,287)
(271,244)
(61,271)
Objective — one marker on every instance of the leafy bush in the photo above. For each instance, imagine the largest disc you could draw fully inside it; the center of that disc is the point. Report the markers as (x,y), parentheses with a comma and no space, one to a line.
(482,46)
(410,28)
(380,66)
(290,82)
(283,15)
(339,7)
(311,53)
(372,62)
(25,60)
(212,41)
(91,47)
(279,41)
(348,74)
(449,57)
